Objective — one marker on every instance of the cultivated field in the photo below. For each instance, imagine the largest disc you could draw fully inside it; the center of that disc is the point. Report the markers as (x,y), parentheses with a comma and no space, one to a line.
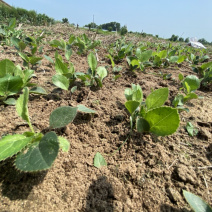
(149,172)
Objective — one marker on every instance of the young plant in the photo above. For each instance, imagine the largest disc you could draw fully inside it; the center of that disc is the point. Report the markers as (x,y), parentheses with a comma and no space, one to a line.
(35,151)
(190,84)
(65,74)
(84,44)
(13,79)
(151,116)
(95,75)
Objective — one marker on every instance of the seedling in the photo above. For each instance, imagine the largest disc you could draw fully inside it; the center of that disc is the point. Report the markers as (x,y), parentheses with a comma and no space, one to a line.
(34,151)
(94,76)
(13,79)
(151,115)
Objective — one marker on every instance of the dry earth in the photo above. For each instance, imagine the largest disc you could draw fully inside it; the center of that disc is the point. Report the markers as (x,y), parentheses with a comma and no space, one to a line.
(147,174)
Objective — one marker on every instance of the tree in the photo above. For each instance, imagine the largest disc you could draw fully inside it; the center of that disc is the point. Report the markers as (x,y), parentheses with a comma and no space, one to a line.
(124,30)
(91,25)
(65,20)
(181,39)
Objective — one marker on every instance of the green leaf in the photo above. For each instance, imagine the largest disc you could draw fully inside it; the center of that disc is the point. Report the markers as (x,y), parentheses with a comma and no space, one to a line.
(132,106)
(10,101)
(196,203)
(162,54)
(60,81)
(40,155)
(192,131)
(21,105)
(73,89)
(99,160)
(62,116)
(24,57)
(189,97)
(10,85)
(178,100)
(92,62)
(128,93)
(84,109)
(102,72)
(193,81)
(181,59)
(38,90)
(173,59)
(12,144)
(6,67)
(206,66)
(64,144)
(33,60)
(157,98)
(145,56)
(49,59)
(60,67)
(180,77)
(137,93)
(163,120)
(142,125)
(12,23)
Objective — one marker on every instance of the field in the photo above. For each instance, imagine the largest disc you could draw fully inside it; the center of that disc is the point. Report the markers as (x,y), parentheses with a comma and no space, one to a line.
(148,173)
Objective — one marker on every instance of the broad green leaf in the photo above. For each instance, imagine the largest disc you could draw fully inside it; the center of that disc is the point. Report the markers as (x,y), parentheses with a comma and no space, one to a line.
(193,81)
(162,54)
(132,106)
(157,98)
(134,64)
(187,87)
(38,90)
(21,105)
(55,43)
(99,160)
(60,81)
(128,94)
(84,109)
(142,125)
(172,53)
(39,155)
(145,56)
(137,94)
(181,59)
(62,116)
(92,62)
(173,59)
(64,144)
(6,67)
(33,60)
(102,72)
(68,54)
(60,67)
(196,203)
(10,85)
(163,120)
(180,77)
(206,65)
(10,101)
(12,144)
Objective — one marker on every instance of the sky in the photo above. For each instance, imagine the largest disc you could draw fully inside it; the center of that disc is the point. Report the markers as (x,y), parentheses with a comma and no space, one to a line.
(185,18)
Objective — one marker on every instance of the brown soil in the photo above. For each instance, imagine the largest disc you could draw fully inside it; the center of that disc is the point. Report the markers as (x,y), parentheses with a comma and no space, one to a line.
(147,174)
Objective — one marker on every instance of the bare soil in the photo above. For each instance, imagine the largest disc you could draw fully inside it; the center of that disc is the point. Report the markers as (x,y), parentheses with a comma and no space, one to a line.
(147,174)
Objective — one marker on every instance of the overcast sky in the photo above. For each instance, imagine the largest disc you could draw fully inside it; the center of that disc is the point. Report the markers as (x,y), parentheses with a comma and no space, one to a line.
(186,18)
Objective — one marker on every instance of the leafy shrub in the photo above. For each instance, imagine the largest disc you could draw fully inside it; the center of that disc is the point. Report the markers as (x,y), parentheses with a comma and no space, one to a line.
(65,20)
